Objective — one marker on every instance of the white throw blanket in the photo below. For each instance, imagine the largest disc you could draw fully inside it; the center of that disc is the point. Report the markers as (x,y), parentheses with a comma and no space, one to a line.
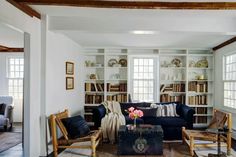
(112,121)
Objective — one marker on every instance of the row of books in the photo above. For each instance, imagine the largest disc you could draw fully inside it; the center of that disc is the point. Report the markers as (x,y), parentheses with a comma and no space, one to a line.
(94,87)
(168,98)
(197,86)
(121,87)
(93,99)
(117,97)
(200,110)
(173,88)
(197,100)
(200,120)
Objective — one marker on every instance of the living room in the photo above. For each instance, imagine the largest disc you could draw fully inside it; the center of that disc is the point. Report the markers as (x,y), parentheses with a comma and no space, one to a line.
(180,50)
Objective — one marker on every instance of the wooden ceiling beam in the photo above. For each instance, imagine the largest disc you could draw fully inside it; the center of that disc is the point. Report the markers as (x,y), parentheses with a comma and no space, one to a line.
(10,49)
(230,41)
(135,4)
(25,8)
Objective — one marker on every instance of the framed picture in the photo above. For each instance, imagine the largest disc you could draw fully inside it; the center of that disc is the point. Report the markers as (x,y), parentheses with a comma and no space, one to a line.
(69,83)
(69,68)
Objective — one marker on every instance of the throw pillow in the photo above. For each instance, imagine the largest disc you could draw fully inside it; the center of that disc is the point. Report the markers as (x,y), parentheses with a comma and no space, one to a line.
(169,110)
(2,108)
(76,126)
(148,111)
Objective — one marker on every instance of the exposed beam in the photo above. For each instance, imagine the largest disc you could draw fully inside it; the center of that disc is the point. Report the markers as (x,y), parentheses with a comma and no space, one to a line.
(10,49)
(135,4)
(25,8)
(224,43)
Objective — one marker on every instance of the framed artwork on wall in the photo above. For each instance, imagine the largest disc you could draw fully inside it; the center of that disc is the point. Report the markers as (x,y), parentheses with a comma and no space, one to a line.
(69,68)
(69,83)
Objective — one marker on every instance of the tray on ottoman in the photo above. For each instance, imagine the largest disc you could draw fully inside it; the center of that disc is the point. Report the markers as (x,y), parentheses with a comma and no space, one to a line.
(142,140)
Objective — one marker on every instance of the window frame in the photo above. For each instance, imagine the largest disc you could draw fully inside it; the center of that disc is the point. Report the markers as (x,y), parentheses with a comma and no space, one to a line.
(15,94)
(155,75)
(225,80)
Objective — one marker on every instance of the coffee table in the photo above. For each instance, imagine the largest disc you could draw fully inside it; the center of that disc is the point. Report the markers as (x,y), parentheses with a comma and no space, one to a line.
(142,140)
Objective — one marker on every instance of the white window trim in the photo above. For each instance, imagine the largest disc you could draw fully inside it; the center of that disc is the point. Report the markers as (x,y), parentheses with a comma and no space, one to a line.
(8,64)
(156,71)
(226,108)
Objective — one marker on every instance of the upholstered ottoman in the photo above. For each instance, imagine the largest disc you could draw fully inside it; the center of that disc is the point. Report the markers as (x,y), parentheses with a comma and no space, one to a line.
(143,140)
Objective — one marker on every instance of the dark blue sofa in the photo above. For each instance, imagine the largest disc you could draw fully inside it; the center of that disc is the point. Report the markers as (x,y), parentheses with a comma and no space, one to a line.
(172,126)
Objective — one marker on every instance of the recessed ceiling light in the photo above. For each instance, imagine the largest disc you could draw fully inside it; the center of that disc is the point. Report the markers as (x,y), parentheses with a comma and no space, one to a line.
(142,32)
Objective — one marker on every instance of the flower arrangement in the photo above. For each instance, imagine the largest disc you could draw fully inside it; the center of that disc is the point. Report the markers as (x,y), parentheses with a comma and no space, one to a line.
(134,114)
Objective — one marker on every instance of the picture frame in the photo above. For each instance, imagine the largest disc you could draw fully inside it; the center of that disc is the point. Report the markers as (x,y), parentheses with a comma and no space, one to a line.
(69,68)
(69,83)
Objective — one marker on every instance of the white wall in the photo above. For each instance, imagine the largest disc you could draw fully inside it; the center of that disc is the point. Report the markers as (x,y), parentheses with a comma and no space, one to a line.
(59,50)
(219,87)
(14,17)
(17,112)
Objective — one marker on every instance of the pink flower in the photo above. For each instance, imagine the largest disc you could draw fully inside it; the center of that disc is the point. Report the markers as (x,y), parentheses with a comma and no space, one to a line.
(140,113)
(131,109)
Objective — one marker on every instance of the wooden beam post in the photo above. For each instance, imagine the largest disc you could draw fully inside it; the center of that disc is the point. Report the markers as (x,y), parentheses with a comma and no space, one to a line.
(224,44)
(135,4)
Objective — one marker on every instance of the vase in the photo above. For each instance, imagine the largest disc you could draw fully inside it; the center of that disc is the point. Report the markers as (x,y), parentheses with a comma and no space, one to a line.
(135,122)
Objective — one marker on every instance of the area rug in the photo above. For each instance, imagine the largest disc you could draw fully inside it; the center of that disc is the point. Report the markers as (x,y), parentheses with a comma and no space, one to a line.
(170,149)
(9,139)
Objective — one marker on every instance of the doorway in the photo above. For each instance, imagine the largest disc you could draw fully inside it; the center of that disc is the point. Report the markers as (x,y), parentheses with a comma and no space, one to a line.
(11,89)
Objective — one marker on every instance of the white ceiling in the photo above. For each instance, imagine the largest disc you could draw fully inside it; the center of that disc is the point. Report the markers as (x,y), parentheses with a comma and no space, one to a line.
(10,36)
(96,27)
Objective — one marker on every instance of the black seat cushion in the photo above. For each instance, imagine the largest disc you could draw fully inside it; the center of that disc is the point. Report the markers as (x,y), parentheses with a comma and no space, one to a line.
(2,108)
(165,121)
(76,126)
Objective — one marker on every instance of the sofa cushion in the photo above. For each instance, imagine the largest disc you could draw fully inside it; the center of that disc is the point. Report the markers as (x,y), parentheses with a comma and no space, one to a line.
(148,111)
(165,121)
(2,108)
(76,126)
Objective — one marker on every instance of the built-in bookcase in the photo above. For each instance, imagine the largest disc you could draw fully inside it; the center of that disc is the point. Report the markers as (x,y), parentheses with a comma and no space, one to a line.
(184,75)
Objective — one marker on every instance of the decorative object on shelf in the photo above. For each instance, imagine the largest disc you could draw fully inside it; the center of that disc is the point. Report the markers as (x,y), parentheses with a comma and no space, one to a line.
(69,68)
(93,76)
(202,63)
(111,62)
(123,62)
(134,114)
(116,65)
(176,62)
(191,63)
(115,76)
(69,83)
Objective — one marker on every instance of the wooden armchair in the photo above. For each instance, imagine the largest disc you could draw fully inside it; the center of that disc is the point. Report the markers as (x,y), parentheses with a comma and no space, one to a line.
(220,120)
(64,141)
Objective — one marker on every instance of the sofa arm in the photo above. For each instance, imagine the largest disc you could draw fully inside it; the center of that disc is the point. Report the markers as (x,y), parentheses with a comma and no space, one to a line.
(187,113)
(98,113)
(9,113)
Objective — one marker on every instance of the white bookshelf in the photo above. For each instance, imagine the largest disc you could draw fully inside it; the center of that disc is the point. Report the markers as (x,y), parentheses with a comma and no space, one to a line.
(182,75)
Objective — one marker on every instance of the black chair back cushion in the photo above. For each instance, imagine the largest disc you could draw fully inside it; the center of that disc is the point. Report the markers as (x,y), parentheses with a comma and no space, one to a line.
(76,126)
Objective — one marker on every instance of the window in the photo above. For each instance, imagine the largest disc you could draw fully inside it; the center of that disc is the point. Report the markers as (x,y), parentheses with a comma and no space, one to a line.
(15,69)
(143,79)
(229,76)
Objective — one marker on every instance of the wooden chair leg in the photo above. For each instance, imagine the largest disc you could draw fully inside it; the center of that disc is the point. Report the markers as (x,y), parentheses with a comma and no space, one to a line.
(228,144)
(183,135)
(191,141)
(55,153)
(93,146)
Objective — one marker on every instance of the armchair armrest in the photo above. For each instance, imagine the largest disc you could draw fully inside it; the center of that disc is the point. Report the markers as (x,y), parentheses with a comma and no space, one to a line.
(187,114)
(98,113)
(9,113)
